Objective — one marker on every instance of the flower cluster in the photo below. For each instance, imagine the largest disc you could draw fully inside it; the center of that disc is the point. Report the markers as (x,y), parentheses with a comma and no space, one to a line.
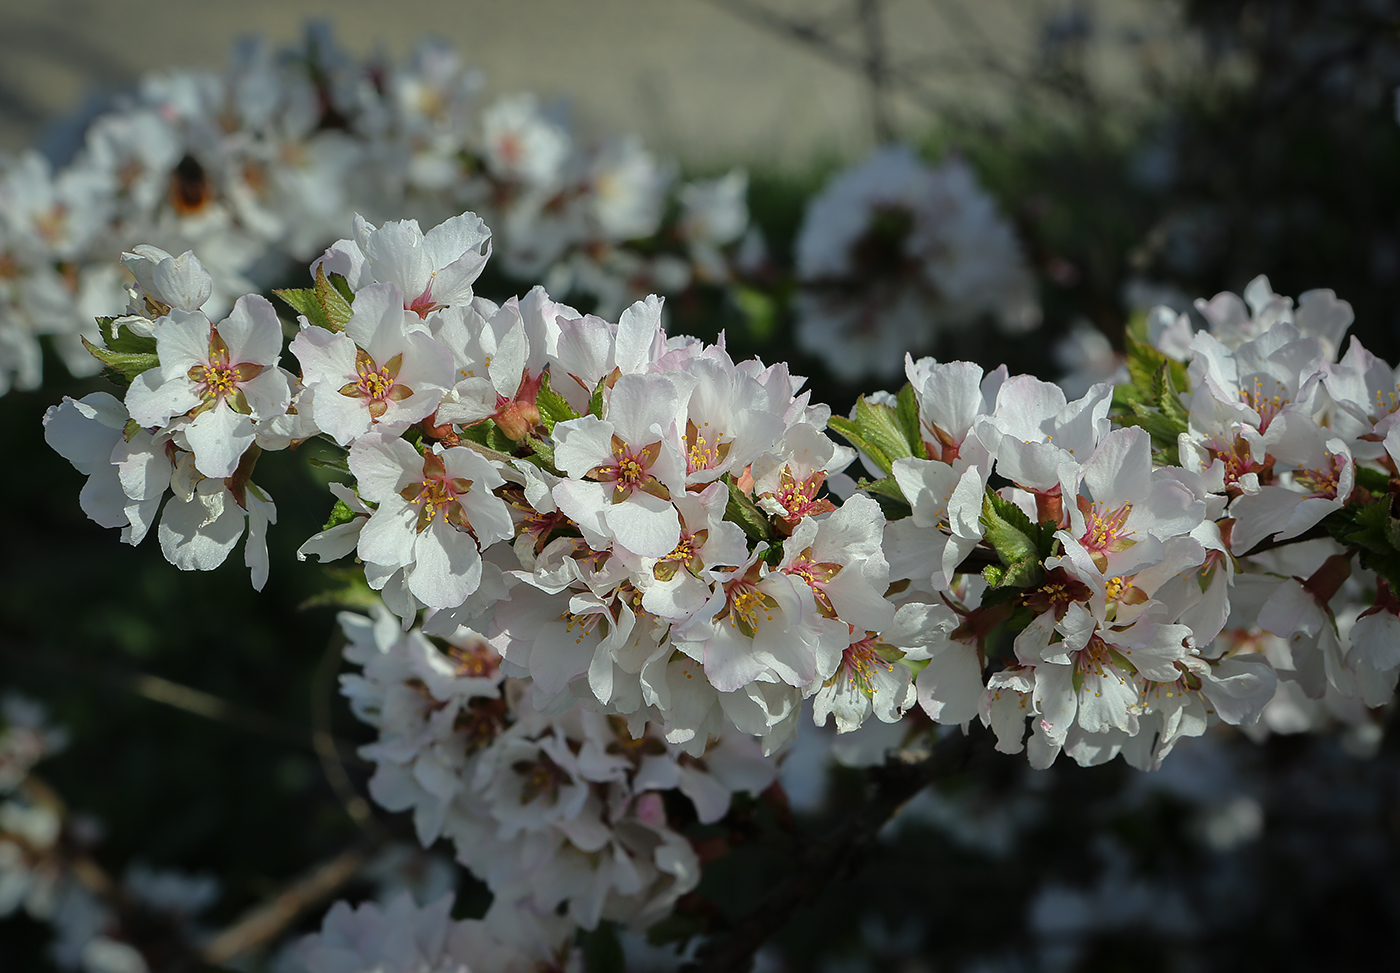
(260,166)
(402,937)
(617,563)
(893,253)
(559,812)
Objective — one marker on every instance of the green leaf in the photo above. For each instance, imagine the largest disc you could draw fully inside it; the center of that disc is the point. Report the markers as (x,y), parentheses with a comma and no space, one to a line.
(339,282)
(543,455)
(120,338)
(881,428)
(602,952)
(850,432)
(348,589)
(122,366)
(498,440)
(1375,481)
(595,401)
(884,487)
(743,511)
(333,302)
(303,300)
(340,514)
(553,406)
(1168,401)
(908,415)
(1020,544)
(759,309)
(1374,532)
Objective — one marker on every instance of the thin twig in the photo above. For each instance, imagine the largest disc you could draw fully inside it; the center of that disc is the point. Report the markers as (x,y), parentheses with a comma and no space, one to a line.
(176,695)
(826,47)
(264,923)
(833,858)
(876,68)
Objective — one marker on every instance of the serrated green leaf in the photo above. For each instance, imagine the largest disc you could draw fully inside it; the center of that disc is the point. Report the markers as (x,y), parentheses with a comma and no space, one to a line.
(303,300)
(339,282)
(994,574)
(122,366)
(884,487)
(498,440)
(340,514)
(118,337)
(1023,573)
(335,304)
(850,432)
(553,407)
(881,428)
(1168,401)
(595,401)
(909,422)
(1373,480)
(543,454)
(1019,544)
(743,511)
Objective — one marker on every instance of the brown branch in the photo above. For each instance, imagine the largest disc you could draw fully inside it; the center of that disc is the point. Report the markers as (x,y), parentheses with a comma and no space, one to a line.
(833,858)
(264,923)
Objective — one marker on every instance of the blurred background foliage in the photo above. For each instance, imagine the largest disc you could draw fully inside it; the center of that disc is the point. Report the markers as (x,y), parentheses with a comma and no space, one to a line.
(1265,141)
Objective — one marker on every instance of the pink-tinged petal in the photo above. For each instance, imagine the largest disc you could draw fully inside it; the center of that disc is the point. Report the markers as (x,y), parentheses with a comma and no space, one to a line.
(326,357)
(182,281)
(560,655)
(647,526)
(637,333)
(191,544)
(140,515)
(446,566)
(102,498)
(730,663)
(260,514)
(583,444)
(1120,470)
(489,516)
(342,417)
(458,252)
(143,467)
(252,331)
(345,258)
(417,406)
(182,341)
(218,437)
(508,363)
(84,431)
(268,394)
(395,254)
(332,544)
(387,538)
(1055,700)
(153,401)
(378,317)
(383,466)
(584,502)
(425,362)
(475,399)
(640,403)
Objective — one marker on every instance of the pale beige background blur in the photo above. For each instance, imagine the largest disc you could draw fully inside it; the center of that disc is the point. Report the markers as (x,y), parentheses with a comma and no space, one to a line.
(694,78)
